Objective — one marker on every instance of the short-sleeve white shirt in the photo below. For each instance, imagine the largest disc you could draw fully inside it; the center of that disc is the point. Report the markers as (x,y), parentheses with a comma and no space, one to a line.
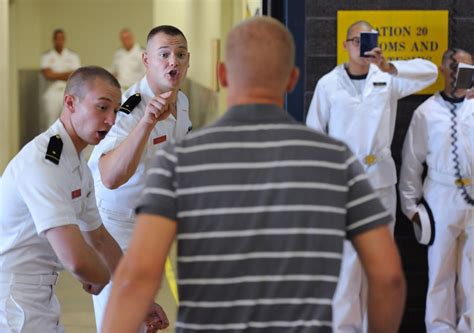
(125,197)
(65,61)
(36,195)
(128,65)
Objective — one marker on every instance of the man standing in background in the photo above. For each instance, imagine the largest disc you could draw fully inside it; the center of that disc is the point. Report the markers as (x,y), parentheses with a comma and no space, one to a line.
(444,117)
(356,103)
(127,65)
(56,66)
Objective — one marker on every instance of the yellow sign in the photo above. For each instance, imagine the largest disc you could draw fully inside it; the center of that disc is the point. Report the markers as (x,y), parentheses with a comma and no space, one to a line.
(403,35)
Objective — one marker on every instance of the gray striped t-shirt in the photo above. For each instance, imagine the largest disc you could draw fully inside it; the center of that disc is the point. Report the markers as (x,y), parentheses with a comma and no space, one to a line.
(263,205)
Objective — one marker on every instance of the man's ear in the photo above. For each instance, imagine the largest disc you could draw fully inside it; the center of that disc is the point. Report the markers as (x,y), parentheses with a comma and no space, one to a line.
(293,79)
(222,74)
(145,59)
(69,103)
(344,45)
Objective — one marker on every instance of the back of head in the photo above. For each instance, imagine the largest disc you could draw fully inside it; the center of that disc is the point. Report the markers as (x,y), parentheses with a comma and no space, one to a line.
(260,52)
(80,80)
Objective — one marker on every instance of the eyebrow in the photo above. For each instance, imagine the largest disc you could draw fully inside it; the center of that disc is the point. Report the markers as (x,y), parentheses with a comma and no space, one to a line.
(105,98)
(168,47)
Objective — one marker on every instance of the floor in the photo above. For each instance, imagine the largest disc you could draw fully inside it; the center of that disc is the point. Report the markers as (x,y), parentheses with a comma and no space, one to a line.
(77,314)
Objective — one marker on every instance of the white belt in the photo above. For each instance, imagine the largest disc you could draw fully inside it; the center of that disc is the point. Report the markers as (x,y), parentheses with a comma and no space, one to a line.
(40,279)
(372,159)
(447,179)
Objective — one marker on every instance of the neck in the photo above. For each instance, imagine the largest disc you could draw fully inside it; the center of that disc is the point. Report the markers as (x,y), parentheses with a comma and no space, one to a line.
(448,91)
(357,69)
(254,96)
(78,143)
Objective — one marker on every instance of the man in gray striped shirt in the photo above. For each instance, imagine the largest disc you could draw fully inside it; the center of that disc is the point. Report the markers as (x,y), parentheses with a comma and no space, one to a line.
(260,206)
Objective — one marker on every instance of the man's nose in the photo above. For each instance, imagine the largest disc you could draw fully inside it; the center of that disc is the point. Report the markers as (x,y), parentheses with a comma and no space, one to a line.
(110,120)
(173,59)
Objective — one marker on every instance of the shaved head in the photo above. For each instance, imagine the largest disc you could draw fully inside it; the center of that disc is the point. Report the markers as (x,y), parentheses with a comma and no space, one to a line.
(364,24)
(81,79)
(260,52)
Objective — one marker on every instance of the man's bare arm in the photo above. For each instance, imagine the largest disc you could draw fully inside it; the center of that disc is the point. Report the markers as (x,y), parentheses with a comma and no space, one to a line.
(139,274)
(53,76)
(379,256)
(77,256)
(106,246)
(117,166)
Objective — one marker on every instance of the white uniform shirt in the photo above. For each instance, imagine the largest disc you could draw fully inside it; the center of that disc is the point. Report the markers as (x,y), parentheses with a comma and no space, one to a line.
(124,198)
(429,139)
(128,66)
(37,195)
(366,122)
(66,61)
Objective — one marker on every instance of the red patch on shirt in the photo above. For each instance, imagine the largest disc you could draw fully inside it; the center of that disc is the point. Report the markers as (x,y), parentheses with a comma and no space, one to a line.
(76,194)
(159,139)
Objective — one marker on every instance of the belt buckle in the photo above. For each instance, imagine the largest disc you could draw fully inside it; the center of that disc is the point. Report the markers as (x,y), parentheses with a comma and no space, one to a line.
(370,159)
(462,182)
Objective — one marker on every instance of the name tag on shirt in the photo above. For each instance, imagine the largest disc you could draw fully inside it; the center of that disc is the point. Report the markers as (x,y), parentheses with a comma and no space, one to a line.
(76,194)
(379,84)
(159,139)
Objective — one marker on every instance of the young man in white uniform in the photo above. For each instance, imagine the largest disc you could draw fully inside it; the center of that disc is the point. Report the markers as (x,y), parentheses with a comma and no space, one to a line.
(127,65)
(159,113)
(48,214)
(356,103)
(56,65)
(429,139)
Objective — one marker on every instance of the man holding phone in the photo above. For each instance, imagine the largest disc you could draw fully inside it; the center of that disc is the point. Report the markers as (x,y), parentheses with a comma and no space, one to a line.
(356,103)
(430,140)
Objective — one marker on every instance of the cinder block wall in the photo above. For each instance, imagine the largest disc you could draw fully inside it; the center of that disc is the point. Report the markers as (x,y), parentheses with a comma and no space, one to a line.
(320,58)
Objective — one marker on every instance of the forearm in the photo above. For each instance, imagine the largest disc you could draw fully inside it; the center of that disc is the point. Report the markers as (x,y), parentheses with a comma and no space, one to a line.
(117,166)
(53,76)
(90,270)
(385,306)
(76,255)
(130,299)
(106,247)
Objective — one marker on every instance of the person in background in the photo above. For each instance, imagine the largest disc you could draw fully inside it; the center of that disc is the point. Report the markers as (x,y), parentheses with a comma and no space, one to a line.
(438,201)
(127,65)
(56,66)
(260,206)
(154,111)
(356,103)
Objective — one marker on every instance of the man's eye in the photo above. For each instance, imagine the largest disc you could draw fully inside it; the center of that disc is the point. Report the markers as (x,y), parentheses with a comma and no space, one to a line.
(163,55)
(181,55)
(102,107)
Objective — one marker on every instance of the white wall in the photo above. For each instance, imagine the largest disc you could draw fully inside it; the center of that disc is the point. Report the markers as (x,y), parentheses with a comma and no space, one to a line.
(7,141)
(91,27)
(202,22)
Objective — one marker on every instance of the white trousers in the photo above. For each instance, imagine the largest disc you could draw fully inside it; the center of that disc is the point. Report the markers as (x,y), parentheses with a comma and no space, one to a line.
(28,308)
(349,304)
(448,301)
(121,229)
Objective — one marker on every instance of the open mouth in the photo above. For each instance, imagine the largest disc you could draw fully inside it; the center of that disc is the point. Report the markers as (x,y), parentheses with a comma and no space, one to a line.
(101,134)
(173,73)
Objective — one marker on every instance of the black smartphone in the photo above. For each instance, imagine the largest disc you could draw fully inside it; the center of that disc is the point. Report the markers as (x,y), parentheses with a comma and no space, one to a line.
(464,76)
(368,41)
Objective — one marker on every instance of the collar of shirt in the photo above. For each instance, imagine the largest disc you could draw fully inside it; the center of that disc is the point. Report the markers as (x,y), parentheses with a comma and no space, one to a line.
(69,153)
(254,114)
